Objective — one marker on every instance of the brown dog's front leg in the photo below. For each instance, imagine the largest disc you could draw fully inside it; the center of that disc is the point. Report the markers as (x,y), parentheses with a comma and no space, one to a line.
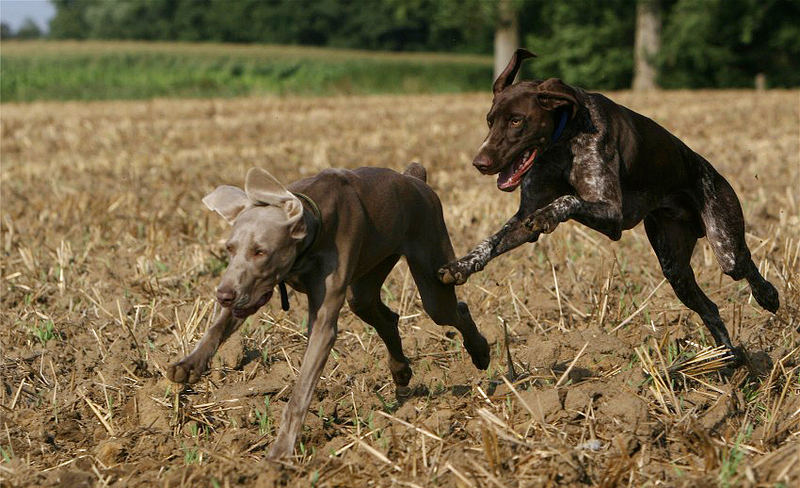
(602,216)
(512,235)
(320,343)
(190,368)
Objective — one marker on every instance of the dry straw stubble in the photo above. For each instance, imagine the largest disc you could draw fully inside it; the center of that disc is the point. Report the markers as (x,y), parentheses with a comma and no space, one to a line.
(109,262)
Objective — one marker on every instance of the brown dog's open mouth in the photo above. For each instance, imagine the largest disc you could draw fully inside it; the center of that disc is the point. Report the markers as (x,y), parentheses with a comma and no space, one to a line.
(511,176)
(241,313)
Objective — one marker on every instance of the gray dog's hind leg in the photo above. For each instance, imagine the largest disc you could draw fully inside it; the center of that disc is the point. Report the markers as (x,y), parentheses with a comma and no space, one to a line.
(673,242)
(724,222)
(440,303)
(365,302)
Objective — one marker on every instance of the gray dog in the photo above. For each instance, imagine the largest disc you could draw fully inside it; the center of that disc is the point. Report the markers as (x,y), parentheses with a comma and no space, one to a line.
(338,232)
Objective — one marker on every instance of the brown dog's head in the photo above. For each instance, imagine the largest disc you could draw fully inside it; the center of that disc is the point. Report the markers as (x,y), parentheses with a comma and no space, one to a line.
(522,122)
(268,228)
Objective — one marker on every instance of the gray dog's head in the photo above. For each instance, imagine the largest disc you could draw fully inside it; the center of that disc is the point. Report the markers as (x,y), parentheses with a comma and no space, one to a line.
(268,228)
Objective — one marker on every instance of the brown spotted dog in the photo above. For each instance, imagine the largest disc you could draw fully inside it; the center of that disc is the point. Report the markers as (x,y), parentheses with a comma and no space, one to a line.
(578,155)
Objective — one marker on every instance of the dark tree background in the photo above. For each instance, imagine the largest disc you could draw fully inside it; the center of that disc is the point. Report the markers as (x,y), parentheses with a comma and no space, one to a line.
(704,43)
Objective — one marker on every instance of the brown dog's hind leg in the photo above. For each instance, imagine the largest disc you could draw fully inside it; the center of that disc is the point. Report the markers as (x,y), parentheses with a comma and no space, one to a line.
(365,302)
(440,303)
(724,223)
(673,242)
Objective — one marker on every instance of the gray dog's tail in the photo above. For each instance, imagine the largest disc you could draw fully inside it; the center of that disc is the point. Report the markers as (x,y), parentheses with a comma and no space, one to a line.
(417,171)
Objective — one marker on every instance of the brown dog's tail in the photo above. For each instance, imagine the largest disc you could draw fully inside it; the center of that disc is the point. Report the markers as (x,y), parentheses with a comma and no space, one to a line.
(417,171)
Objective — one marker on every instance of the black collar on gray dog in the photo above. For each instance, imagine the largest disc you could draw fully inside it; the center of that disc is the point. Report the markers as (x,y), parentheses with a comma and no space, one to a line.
(284,296)
(314,210)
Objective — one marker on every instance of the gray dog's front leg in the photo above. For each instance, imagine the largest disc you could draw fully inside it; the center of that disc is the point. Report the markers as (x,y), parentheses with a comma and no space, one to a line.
(512,235)
(191,368)
(320,343)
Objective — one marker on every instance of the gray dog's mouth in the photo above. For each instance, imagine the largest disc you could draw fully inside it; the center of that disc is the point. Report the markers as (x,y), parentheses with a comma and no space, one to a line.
(241,313)
(511,176)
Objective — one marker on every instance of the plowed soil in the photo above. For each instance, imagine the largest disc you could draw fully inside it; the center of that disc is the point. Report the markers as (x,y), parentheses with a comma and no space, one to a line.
(109,261)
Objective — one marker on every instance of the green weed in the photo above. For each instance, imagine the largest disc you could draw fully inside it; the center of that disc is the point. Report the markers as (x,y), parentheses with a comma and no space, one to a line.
(44,331)
(264,420)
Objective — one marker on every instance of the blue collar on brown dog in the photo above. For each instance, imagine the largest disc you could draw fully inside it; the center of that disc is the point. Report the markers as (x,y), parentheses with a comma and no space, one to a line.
(561,124)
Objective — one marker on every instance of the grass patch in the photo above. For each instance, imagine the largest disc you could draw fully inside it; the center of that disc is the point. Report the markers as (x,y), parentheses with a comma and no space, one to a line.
(134,70)
(44,331)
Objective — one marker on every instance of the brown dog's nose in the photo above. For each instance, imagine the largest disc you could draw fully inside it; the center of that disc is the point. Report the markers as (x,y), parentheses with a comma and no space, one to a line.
(225,296)
(482,162)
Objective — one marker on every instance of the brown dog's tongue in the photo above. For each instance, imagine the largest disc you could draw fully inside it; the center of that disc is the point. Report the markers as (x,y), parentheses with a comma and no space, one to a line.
(505,178)
(511,176)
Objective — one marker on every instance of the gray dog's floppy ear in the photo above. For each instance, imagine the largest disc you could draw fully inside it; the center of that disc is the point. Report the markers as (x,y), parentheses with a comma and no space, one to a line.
(554,93)
(264,188)
(507,76)
(294,218)
(228,201)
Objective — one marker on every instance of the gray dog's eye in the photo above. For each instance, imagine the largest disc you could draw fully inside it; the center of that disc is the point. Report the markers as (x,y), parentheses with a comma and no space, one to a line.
(259,252)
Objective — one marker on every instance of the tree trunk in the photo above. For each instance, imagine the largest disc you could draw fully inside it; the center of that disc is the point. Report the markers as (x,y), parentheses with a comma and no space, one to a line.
(647,44)
(506,36)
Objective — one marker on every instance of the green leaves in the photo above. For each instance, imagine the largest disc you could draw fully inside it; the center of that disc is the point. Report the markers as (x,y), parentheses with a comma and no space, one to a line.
(705,43)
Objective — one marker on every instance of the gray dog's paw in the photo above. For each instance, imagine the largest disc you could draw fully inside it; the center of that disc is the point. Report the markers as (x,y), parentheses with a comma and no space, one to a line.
(401,372)
(188,370)
(282,447)
(480,353)
(452,274)
(476,345)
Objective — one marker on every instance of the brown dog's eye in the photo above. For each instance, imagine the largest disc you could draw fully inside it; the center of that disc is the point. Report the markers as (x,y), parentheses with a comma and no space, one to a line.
(259,253)
(516,122)
(230,248)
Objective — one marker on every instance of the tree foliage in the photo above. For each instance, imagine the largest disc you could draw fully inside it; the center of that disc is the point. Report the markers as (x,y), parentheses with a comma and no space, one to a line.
(584,42)
(705,43)
(725,43)
(28,30)
(5,31)
(408,25)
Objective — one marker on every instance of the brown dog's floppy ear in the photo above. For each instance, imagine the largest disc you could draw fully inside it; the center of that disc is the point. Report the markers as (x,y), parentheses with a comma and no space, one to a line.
(507,76)
(554,93)
(228,201)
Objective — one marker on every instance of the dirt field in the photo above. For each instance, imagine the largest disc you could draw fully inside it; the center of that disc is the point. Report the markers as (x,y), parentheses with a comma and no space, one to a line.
(109,261)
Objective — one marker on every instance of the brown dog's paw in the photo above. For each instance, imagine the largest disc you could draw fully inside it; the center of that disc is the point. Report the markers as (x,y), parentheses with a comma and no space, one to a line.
(187,370)
(542,221)
(451,274)
(767,296)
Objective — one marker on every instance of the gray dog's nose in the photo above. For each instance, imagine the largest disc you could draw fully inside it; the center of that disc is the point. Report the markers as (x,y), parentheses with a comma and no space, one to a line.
(225,296)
